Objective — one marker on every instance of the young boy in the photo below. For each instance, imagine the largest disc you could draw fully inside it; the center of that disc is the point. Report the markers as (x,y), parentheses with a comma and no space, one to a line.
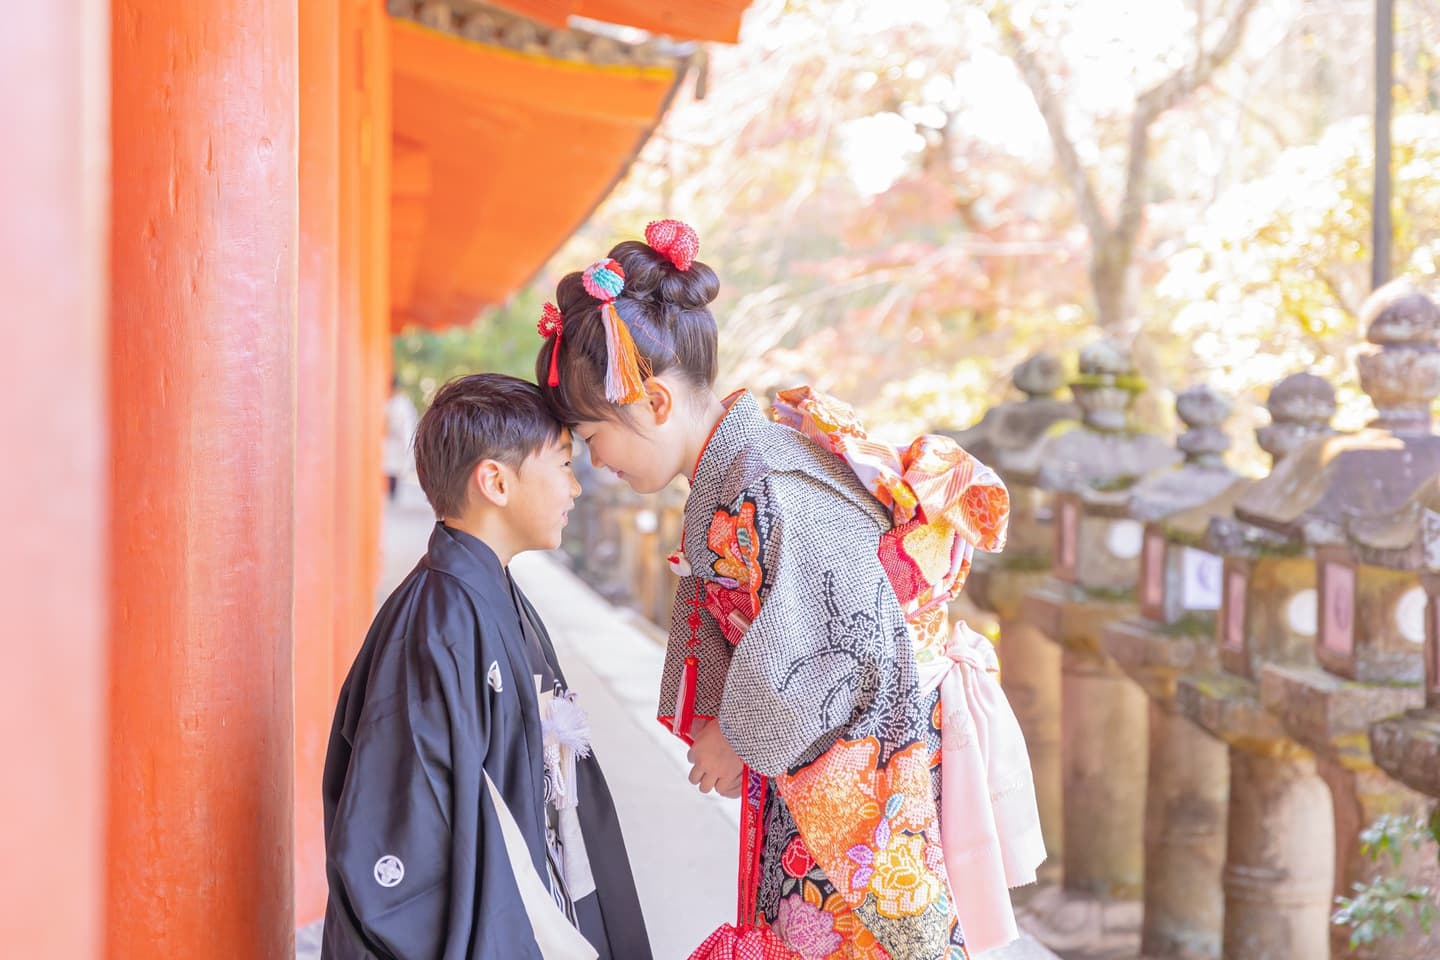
(465,818)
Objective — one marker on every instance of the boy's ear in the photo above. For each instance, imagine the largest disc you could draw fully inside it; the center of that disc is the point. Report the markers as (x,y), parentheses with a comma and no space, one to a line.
(493,481)
(660,399)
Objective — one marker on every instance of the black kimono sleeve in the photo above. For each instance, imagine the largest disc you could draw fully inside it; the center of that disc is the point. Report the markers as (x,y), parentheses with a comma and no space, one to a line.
(417,865)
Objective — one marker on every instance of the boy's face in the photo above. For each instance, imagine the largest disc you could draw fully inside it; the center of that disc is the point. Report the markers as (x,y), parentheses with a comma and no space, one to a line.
(540,504)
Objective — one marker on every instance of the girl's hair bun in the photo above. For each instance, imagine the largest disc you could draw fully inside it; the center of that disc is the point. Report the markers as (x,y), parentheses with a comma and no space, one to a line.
(651,275)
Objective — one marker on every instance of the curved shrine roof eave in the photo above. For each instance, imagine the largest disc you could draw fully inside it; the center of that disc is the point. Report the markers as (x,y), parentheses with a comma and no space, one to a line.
(714,20)
(498,157)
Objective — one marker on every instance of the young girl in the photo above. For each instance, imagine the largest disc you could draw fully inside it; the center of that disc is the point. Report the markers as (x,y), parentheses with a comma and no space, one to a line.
(790,667)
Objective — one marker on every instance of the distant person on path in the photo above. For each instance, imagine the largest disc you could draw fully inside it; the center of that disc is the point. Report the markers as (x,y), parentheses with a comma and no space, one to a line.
(466,817)
(400,420)
(790,666)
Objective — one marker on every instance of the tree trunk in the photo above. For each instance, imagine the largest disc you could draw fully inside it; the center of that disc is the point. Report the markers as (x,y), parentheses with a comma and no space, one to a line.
(1110,281)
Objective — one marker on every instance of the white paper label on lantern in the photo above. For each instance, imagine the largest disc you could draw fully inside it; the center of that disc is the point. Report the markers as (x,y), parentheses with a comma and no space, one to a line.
(1125,538)
(1301,613)
(1201,576)
(1410,615)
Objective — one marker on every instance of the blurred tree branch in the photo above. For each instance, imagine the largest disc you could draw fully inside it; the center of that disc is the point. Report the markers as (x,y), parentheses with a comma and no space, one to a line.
(1113,239)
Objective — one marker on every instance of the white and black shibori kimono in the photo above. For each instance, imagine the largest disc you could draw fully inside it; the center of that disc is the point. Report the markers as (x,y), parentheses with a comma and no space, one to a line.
(437,759)
(805,660)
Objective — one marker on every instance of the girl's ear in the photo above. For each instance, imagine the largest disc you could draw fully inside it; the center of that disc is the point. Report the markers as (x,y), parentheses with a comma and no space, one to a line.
(660,399)
(493,481)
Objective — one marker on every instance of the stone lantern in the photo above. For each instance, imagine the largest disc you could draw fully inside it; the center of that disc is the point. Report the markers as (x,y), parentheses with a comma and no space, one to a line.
(1271,624)
(1275,882)
(1186,783)
(1371,650)
(1407,746)
(1371,607)
(1091,469)
(1008,438)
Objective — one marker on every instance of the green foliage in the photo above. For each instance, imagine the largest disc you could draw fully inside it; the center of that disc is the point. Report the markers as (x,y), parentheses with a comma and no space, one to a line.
(504,341)
(1271,280)
(1192,624)
(1390,906)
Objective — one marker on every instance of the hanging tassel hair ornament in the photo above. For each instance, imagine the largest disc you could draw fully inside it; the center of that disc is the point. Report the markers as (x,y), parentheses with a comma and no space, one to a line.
(625,369)
(552,324)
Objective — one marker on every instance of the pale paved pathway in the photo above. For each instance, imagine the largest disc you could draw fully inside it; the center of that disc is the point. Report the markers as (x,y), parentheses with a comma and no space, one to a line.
(683,845)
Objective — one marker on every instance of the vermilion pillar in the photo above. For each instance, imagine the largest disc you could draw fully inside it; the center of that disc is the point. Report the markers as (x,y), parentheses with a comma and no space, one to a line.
(364,311)
(376,160)
(54,88)
(351,424)
(372,212)
(317,587)
(204,255)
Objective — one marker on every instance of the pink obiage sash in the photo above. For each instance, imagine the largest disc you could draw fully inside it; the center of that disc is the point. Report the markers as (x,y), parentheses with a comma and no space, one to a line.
(989,823)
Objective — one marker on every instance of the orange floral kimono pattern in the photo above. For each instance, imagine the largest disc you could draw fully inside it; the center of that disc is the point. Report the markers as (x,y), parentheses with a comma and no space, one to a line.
(806,661)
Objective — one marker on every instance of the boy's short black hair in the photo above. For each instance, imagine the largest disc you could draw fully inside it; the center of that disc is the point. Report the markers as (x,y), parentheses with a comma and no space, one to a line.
(482,416)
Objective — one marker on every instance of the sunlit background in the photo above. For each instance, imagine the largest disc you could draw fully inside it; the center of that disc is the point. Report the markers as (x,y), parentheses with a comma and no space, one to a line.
(881,198)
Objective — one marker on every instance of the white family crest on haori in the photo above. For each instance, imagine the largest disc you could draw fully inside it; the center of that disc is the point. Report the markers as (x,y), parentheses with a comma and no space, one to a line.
(493,677)
(389,871)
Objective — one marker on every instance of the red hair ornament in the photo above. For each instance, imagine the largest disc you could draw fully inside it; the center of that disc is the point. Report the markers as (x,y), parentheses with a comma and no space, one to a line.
(552,324)
(676,241)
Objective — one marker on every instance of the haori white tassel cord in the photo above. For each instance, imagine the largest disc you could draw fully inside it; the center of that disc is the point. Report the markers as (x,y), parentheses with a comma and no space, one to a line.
(567,740)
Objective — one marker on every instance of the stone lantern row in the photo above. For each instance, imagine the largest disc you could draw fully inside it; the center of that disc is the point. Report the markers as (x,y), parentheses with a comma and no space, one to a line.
(1224,681)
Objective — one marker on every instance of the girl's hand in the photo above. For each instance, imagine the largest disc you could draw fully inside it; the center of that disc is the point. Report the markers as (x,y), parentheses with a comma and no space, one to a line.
(716,765)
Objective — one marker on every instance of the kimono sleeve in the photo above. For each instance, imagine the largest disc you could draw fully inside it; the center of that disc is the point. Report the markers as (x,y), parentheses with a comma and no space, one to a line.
(811,660)
(415,847)
(390,844)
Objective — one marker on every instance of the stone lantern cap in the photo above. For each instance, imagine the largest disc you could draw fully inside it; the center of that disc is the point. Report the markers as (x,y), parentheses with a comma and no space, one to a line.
(1310,496)
(1301,407)
(1102,457)
(1403,539)
(1203,475)
(1009,434)
(1188,527)
(1401,373)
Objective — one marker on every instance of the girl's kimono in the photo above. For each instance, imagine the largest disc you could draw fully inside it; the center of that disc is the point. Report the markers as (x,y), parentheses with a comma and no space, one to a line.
(822,699)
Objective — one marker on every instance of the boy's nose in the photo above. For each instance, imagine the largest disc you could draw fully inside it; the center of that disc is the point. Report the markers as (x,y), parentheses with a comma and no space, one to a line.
(574,488)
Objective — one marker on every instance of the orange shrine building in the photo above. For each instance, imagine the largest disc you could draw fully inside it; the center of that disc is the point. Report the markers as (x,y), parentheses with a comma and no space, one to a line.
(216,213)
